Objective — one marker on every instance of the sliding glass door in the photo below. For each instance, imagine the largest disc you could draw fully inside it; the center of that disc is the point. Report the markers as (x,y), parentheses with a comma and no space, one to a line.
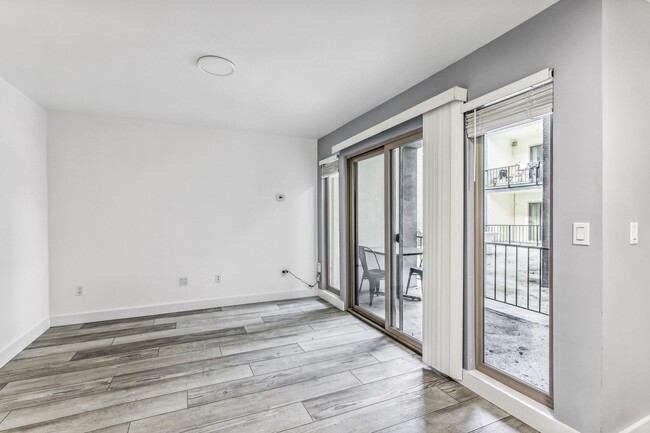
(513,256)
(406,184)
(369,249)
(386,213)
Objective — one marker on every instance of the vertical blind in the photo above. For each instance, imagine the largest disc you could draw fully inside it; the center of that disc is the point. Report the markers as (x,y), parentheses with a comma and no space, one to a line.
(442,294)
(534,102)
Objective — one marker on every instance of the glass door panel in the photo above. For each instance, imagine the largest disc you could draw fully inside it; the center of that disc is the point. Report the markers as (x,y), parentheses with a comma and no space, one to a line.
(406,184)
(369,234)
(515,255)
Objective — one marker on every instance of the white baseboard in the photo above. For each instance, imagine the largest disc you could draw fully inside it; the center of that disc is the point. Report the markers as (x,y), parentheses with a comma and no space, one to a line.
(19,344)
(123,313)
(332,299)
(641,426)
(534,414)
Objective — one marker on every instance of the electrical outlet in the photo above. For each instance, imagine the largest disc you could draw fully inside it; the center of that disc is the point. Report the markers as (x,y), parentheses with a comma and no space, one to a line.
(80,291)
(183,281)
(217,278)
(285,272)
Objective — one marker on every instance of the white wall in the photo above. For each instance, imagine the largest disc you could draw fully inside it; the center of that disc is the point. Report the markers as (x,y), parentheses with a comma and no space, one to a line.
(499,208)
(134,205)
(522,199)
(521,153)
(498,152)
(501,153)
(24,302)
(510,207)
(626,174)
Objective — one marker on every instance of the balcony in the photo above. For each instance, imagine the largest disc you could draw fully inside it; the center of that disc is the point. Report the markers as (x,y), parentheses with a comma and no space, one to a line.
(529,235)
(514,176)
(515,260)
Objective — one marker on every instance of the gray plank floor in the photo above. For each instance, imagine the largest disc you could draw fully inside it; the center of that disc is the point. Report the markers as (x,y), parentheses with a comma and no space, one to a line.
(295,366)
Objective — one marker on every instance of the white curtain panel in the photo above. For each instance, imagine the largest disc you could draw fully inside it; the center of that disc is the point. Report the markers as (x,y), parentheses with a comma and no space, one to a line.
(442,297)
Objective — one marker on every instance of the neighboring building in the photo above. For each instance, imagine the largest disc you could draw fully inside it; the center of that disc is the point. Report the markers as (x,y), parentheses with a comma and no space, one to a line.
(517,223)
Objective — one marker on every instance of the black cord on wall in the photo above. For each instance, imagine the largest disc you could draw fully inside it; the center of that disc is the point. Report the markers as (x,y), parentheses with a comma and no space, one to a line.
(286,271)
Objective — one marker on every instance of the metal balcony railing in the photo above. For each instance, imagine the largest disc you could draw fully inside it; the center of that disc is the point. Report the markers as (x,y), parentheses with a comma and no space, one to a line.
(514,234)
(514,176)
(517,275)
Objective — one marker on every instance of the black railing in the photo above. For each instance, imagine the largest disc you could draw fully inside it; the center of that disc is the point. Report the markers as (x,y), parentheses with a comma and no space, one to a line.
(516,275)
(514,176)
(514,234)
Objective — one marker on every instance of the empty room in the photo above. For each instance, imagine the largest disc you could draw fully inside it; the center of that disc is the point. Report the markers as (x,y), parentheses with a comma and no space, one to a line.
(363,216)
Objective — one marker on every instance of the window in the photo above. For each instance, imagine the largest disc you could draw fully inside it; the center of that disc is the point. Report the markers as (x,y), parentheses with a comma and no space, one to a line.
(534,221)
(513,240)
(536,153)
(332,206)
(330,185)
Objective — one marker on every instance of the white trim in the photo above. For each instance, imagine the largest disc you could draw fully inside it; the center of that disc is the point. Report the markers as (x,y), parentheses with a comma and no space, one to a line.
(328,160)
(641,426)
(332,299)
(453,94)
(509,90)
(19,344)
(534,414)
(96,316)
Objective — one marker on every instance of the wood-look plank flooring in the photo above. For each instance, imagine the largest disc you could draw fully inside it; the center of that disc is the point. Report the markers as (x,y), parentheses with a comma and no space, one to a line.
(295,366)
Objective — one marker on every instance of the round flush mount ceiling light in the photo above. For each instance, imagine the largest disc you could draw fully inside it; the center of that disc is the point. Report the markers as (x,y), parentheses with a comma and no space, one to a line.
(215,65)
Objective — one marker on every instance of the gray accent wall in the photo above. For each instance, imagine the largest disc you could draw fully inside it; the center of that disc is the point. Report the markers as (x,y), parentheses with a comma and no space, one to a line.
(566,37)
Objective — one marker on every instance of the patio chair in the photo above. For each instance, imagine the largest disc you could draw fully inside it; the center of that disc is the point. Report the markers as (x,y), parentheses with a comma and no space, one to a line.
(417,271)
(374,275)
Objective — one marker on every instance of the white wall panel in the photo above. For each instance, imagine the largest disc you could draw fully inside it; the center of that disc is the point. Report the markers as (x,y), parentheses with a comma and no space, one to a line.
(24,299)
(135,205)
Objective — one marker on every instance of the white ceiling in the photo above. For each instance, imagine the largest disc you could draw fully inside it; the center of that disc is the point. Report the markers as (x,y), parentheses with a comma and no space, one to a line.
(304,67)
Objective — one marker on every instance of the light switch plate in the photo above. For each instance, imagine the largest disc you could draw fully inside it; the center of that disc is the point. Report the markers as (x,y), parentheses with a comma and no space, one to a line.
(634,233)
(580,233)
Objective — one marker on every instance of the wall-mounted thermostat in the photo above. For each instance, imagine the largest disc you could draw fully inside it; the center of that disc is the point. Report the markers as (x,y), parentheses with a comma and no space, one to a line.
(280,197)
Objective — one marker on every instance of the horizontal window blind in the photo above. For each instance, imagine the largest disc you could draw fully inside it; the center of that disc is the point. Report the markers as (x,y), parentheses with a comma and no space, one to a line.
(329,169)
(532,103)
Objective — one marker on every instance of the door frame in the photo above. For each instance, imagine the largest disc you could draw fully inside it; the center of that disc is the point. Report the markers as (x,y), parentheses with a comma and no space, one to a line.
(351,240)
